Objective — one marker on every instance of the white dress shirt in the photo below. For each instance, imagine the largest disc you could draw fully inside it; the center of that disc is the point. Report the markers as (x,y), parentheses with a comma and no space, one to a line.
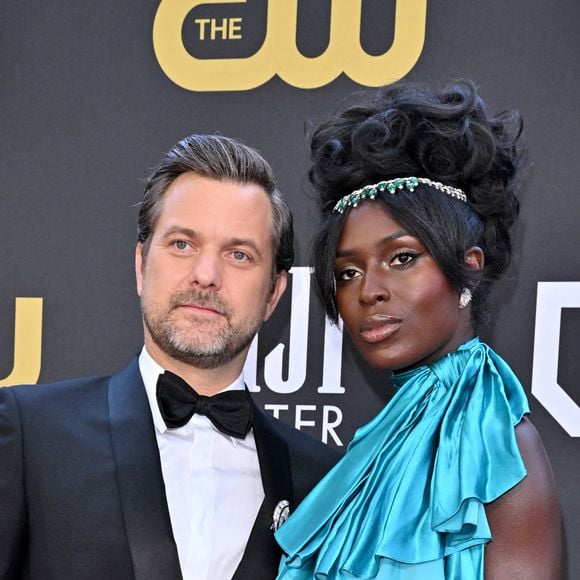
(213,486)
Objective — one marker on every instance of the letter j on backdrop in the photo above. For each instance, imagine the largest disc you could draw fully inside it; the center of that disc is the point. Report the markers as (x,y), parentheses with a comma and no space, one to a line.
(27,343)
(278,54)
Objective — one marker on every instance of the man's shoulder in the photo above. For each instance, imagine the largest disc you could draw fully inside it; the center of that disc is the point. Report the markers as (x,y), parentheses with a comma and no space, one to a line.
(49,404)
(55,389)
(65,406)
(66,388)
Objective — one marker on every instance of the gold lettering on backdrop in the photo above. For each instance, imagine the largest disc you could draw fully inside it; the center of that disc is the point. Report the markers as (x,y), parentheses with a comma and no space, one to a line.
(227,29)
(202,22)
(279,54)
(27,343)
(235,28)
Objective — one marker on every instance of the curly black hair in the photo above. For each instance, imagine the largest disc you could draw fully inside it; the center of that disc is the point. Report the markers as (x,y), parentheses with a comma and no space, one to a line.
(449,136)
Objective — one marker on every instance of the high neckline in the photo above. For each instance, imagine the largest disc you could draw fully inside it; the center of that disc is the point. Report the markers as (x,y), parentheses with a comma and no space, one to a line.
(399,378)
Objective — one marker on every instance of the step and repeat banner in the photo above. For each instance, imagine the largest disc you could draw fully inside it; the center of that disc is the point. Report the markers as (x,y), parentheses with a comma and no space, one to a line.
(93,93)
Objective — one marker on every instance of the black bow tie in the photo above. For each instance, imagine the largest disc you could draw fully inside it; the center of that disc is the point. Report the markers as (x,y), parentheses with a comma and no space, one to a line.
(231,412)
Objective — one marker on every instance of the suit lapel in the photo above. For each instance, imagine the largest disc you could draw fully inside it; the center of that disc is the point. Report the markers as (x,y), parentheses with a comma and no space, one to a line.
(140,480)
(262,554)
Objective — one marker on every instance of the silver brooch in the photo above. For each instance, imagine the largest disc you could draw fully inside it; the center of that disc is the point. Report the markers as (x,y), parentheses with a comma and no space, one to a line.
(281,513)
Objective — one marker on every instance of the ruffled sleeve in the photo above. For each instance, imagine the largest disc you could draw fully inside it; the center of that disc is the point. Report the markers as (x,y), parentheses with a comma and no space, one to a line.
(411,489)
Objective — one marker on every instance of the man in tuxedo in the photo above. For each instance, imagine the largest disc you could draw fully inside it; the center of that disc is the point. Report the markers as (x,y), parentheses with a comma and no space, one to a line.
(168,469)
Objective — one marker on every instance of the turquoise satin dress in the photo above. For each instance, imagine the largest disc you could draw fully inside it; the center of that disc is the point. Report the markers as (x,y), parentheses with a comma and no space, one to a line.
(407,500)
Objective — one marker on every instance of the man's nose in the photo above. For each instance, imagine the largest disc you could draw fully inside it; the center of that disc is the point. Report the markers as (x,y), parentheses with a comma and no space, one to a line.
(206,270)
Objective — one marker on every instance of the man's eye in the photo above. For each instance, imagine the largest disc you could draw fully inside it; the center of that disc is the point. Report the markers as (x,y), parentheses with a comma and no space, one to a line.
(181,245)
(240,256)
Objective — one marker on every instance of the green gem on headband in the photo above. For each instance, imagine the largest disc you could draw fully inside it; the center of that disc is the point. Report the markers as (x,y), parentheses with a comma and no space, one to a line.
(392,185)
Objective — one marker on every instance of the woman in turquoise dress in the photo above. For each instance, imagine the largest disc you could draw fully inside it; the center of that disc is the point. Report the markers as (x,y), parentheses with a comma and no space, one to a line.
(450,481)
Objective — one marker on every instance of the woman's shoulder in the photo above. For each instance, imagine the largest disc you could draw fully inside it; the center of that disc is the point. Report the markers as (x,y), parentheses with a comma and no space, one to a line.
(525,521)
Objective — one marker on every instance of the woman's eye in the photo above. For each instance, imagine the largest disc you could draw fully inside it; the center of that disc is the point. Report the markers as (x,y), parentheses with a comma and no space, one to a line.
(348,274)
(403,259)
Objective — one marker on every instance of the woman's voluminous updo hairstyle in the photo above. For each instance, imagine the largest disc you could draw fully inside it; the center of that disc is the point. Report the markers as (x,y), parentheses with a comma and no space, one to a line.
(447,136)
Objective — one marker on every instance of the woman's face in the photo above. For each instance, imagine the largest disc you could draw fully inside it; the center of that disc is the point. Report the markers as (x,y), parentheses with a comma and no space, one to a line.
(398,307)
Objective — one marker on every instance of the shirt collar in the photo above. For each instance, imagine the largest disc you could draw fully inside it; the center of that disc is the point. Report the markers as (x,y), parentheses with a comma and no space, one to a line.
(150,371)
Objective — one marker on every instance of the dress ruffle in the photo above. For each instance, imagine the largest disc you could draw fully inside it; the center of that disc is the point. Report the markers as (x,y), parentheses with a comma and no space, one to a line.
(407,500)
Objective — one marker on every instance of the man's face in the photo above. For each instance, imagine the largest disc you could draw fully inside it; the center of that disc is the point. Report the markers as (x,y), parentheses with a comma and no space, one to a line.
(205,278)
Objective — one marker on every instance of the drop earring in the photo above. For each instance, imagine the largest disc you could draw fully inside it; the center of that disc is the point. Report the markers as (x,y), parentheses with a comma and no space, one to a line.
(464,298)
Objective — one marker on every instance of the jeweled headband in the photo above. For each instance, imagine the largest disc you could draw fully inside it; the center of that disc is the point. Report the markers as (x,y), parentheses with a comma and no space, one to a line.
(392,185)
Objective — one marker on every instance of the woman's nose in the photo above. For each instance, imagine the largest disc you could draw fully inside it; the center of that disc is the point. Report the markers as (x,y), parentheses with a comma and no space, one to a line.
(374,288)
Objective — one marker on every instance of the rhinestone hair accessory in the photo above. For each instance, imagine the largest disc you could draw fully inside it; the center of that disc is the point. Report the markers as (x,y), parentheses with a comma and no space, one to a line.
(392,185)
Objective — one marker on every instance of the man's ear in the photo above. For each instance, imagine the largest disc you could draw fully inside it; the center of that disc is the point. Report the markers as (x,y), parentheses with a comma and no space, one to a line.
(277,291)
(474,258)
(139,264)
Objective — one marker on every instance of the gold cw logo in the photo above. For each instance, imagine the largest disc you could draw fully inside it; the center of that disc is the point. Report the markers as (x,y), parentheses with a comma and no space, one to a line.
(27,343)
(279,54)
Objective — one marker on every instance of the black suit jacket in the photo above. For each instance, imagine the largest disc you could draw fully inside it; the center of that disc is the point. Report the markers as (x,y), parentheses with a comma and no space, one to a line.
(81,490)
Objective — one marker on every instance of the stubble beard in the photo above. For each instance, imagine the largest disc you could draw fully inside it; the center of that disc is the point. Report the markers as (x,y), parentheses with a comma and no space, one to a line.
(195,340)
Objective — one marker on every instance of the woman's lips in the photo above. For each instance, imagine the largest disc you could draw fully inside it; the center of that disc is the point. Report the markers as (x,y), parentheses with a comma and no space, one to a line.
(379,327)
